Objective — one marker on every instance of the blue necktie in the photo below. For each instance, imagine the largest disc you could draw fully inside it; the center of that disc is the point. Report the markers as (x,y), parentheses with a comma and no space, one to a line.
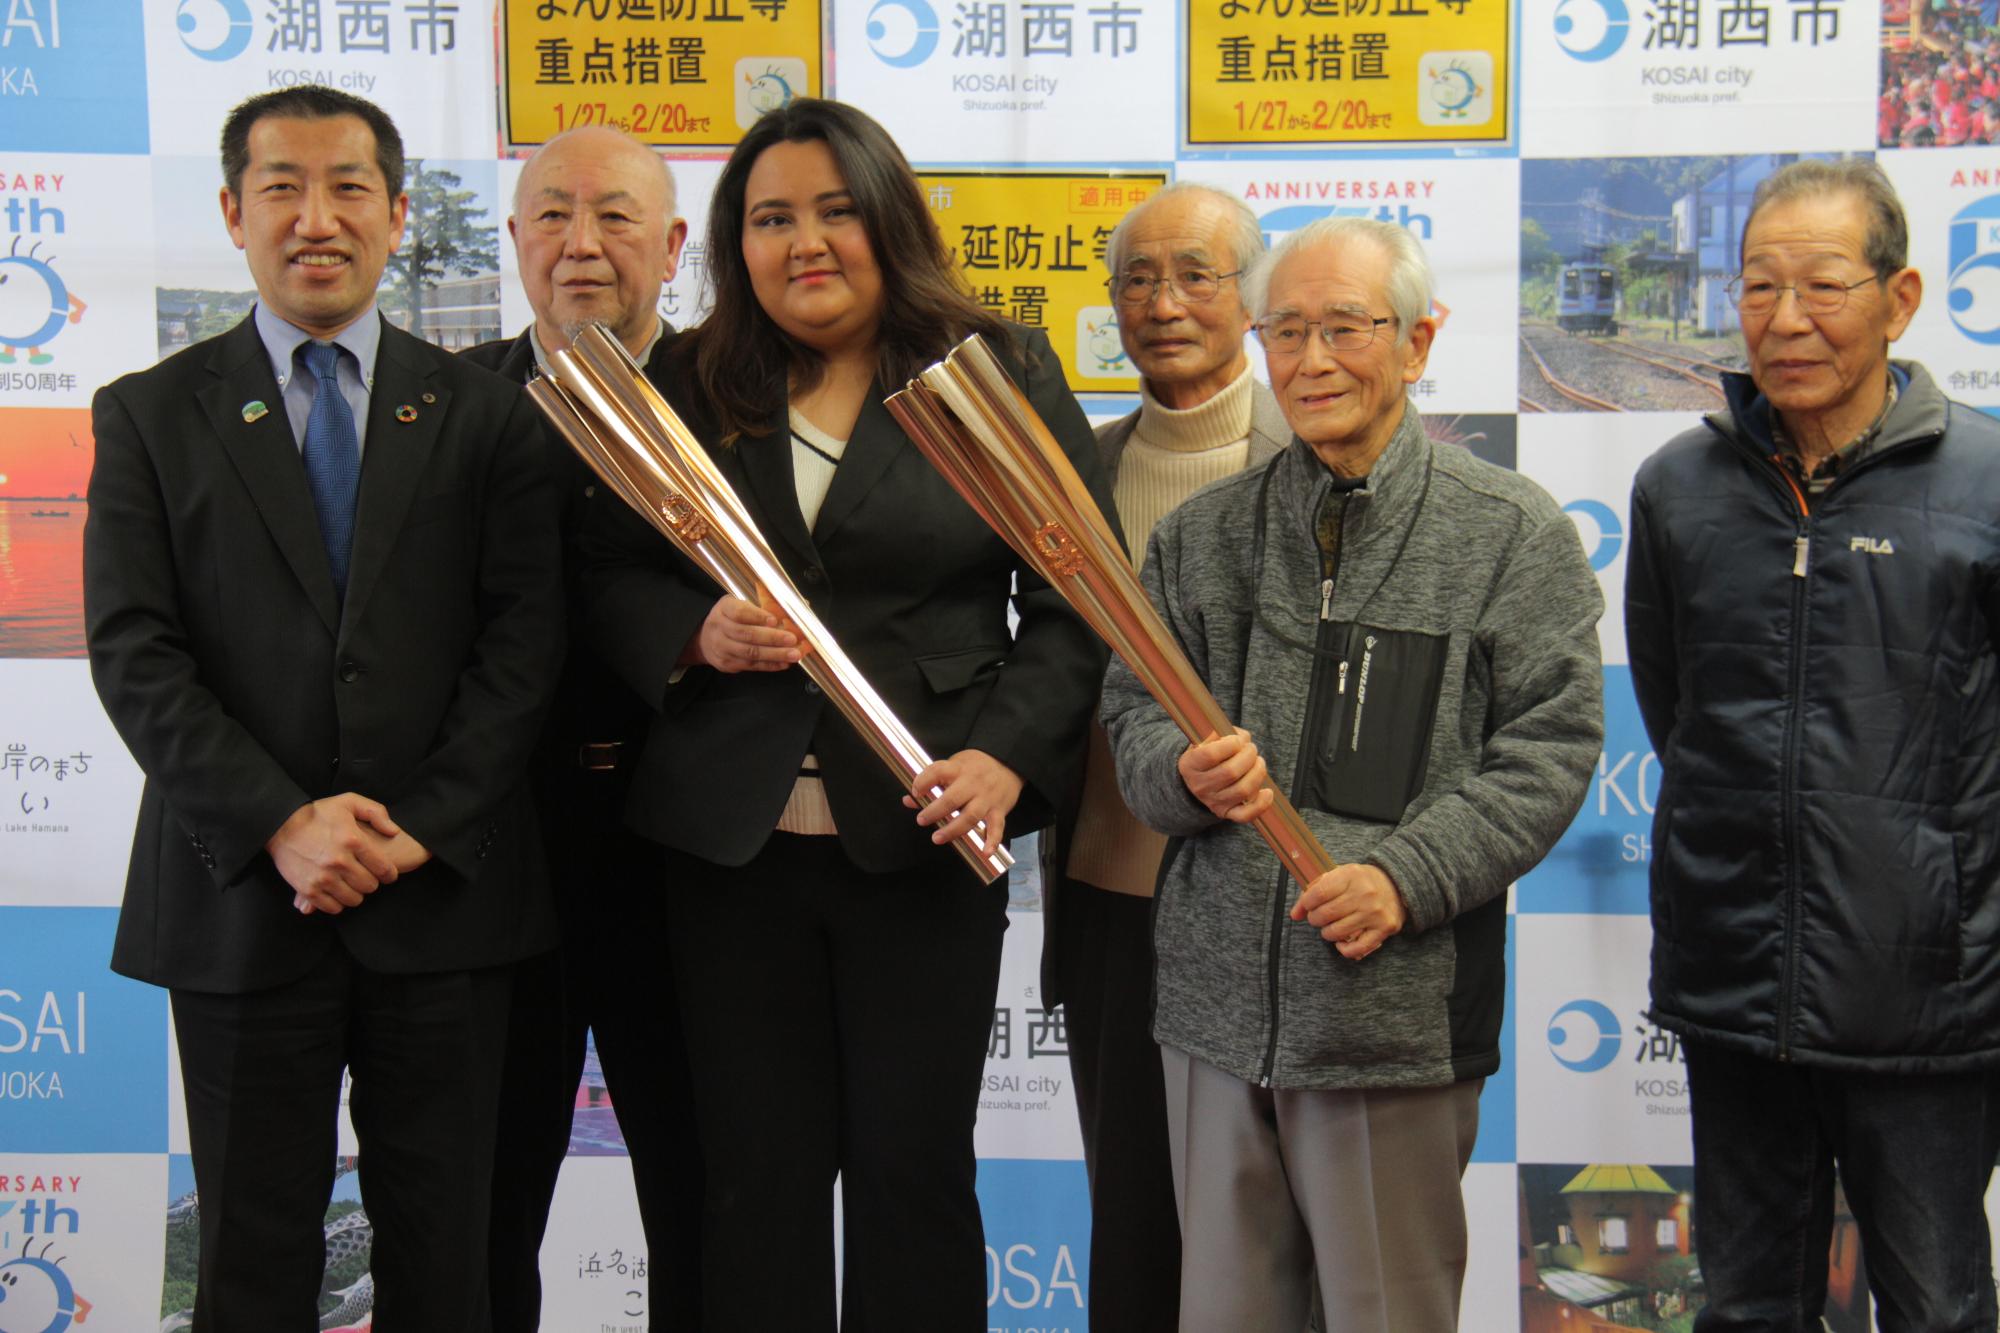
(332,458)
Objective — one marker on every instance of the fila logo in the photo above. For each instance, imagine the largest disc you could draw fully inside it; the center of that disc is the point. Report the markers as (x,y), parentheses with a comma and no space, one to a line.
(1872,545)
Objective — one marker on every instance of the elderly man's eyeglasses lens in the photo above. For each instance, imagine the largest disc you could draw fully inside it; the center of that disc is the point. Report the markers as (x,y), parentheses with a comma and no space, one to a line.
(1342,333)
(1816,296)
(1195,285)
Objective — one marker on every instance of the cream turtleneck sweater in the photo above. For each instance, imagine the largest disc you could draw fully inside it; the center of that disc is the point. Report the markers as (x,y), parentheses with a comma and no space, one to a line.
(1169,456)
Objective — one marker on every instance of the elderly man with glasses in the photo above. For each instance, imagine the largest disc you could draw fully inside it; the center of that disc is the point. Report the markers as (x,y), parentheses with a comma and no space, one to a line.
(1812,606)
(1176,265)
(1407,637)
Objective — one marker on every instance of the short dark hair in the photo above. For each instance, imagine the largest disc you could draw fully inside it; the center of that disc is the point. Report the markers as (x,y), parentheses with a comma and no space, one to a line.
(743,362)
(309,101)
(1885,247)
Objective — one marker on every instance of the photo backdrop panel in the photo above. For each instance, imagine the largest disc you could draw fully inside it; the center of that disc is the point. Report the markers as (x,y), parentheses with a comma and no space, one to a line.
(69,791)
(595,1266)
(74,289)
(73,77)
(1031,246)
(1600,863)
(1597,1080)
(1952,197)
(1027,1103)
(1037,1219)
(45,457)
(1359,73)
(428,63)
(82,1056)
(80,1241)
(1697,76)
(688,73)
(1450,207)
(1004,81)
(1586,461)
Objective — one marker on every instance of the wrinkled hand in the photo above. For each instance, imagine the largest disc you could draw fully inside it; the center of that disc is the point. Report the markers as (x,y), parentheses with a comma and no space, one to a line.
(335,851)
(404,852)
(1226,774)
(742,636)
(974,784)
(1355,906)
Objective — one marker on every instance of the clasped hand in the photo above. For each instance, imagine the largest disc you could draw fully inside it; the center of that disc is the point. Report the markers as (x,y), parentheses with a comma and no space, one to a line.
(339,849)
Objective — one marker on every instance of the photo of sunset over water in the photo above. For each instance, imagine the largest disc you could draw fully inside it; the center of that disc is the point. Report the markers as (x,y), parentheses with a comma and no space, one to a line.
(45,456)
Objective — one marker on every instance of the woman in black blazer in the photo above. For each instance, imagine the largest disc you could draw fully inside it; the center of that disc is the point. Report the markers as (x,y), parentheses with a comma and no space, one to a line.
(835,962)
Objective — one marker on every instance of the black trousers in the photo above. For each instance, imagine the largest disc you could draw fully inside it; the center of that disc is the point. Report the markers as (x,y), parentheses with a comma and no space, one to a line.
(263,1073)
(1915,1153)
(837,1023)
(610,977)
(1107,988)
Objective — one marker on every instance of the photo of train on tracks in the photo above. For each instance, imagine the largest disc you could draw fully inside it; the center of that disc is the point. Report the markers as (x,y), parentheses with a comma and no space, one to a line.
(1625,266)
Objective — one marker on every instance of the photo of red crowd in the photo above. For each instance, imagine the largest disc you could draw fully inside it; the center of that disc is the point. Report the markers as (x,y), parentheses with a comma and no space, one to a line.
(1940,74)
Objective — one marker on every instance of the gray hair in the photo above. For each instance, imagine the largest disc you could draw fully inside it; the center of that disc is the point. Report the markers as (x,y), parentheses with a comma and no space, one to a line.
(666,168)
(1245,233)
(1409,284)
(1885,247)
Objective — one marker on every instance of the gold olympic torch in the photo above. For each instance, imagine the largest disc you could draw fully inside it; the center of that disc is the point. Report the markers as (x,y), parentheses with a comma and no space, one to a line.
(976,427)
(618,422)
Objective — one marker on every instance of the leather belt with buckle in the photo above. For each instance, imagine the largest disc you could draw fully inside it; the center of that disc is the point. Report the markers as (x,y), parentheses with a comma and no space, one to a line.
(598,756)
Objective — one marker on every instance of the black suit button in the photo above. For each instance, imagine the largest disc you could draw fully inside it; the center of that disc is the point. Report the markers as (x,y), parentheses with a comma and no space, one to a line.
(812,686)
(350,672)
(815,575)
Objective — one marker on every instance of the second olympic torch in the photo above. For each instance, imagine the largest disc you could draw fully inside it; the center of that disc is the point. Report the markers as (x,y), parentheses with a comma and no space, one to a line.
(976,427)
(617,421)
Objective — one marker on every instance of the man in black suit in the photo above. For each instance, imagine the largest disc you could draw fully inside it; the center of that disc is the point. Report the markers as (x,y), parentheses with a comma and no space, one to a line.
(596,235)
(323,602)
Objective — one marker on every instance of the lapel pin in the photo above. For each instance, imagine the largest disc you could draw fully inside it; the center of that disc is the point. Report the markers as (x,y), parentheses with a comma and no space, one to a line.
(406,414)
(254,409)
(430,398)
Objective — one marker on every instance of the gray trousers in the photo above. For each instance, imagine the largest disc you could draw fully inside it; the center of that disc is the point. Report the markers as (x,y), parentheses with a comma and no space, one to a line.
(1359,1189)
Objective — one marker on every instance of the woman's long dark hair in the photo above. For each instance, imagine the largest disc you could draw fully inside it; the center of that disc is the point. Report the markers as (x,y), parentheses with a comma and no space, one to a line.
(743,363)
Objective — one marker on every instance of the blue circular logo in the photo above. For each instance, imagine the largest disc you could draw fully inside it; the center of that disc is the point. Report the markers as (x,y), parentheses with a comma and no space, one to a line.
(1583,1035)
(1972,291)
(902,33)
(1597,524)
(1591,30)
(34,300)
(214,29)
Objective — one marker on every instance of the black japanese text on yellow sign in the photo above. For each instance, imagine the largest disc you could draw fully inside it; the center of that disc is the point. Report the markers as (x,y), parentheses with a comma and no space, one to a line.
(1334,71)
(680,73)
(1031,246)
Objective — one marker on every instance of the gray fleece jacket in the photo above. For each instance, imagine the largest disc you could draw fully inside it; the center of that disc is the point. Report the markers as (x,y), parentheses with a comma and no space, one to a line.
(1436,709)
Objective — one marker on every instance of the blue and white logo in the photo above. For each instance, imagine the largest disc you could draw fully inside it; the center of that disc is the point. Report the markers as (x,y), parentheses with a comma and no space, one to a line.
(1583,1036)
(83,1055)
(1597,524)
(902,33)
(1972,292)
(214,29)
(1591,30)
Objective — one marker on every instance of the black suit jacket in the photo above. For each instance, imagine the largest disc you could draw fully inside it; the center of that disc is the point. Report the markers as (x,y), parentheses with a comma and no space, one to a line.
(596,724)
(912,584)
(593,706)
(244,689)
